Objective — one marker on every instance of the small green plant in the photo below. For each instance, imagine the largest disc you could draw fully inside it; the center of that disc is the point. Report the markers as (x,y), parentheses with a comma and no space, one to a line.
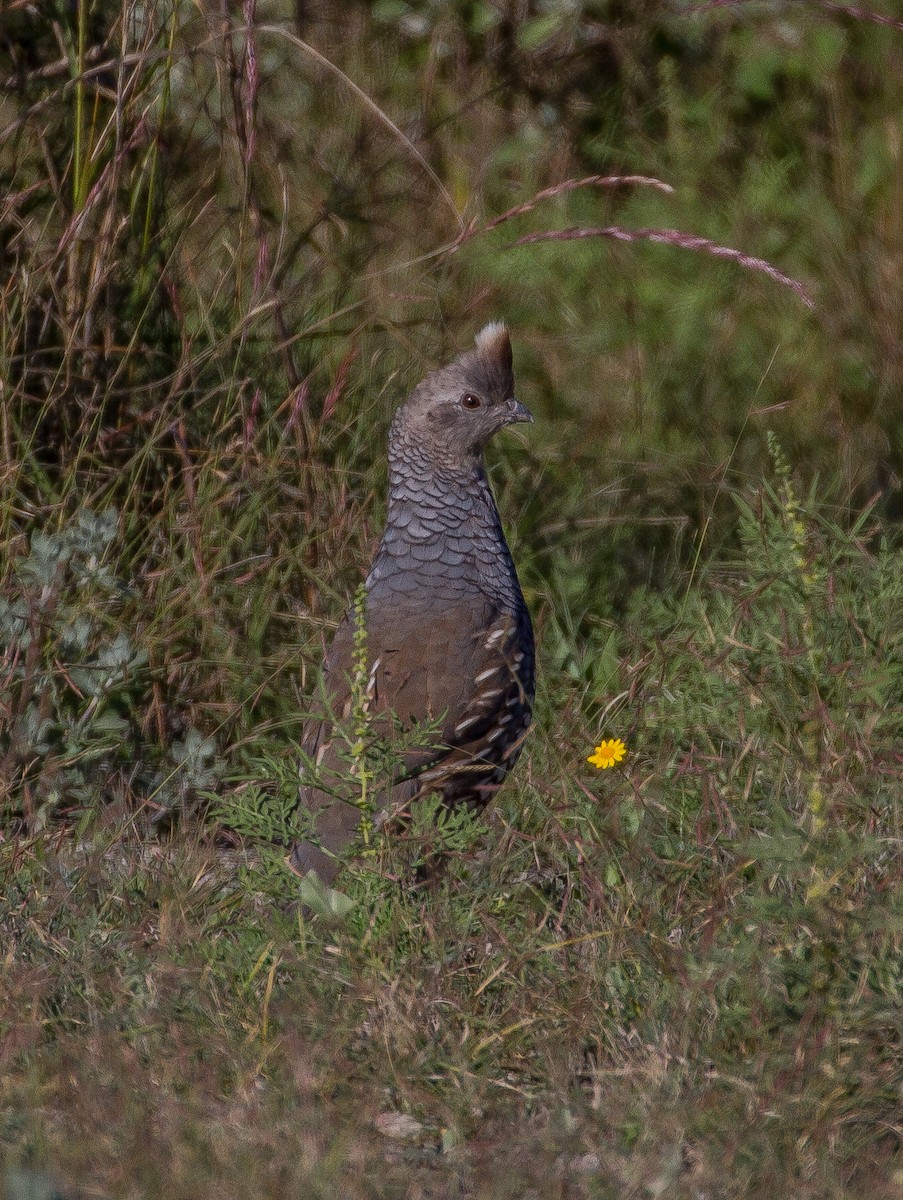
(362,683)
(371,754)
(70,672)
(73,682)
(788,529)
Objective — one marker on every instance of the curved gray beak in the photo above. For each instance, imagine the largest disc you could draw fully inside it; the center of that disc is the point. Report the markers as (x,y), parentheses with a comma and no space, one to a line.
(518,412)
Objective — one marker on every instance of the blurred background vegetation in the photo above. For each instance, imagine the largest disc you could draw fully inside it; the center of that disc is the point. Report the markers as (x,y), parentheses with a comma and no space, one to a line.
(232,236)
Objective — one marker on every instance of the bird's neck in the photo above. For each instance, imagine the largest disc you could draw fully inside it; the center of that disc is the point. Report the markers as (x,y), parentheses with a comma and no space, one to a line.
(443,533)
(453,488)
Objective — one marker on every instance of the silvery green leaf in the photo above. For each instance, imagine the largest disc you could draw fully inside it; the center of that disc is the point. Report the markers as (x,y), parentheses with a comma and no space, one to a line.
(48,553)
(118,654)
(196,757)
(323,901)
(110,722)
(14,629)
(88,680)
(75,636)
(22,1183)
(91,533)
(34,731)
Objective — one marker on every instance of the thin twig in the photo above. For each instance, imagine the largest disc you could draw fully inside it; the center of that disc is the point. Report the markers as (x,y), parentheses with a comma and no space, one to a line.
(371,104)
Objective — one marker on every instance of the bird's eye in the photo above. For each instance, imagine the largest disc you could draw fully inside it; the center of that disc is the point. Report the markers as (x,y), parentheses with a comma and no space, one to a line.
(469,400)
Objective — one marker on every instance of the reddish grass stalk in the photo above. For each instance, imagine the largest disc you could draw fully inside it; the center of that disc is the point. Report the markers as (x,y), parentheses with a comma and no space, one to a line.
(828,6)
(340,382)
(249,10)
(673,237)
(571,185)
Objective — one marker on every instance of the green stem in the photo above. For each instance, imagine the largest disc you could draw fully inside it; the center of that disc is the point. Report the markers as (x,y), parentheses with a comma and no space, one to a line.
(78,173)
(154,153)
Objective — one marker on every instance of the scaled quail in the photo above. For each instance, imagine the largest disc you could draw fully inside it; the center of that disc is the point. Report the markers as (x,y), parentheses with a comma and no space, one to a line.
(448,635)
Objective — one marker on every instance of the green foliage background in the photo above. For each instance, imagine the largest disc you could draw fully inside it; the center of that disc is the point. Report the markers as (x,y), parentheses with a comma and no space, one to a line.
(231,238)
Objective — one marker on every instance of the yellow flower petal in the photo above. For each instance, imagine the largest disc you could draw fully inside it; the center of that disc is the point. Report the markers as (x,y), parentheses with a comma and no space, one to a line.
(607,753)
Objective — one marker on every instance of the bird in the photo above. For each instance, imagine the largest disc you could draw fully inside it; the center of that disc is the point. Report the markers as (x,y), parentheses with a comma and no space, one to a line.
(448,636)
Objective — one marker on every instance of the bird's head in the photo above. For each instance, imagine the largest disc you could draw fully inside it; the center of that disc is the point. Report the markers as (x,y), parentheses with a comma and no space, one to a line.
(454,412)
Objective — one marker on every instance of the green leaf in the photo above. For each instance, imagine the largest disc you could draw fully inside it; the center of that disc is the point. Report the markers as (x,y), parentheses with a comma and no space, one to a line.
(390,11)
(322,900)
(482,18)
(537,30)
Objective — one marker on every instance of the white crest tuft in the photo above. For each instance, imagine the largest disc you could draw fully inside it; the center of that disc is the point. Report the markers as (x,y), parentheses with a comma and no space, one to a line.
(493,338)
(494,346)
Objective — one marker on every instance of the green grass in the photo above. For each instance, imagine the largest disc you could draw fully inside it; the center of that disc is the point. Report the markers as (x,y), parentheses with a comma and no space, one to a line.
(221,270)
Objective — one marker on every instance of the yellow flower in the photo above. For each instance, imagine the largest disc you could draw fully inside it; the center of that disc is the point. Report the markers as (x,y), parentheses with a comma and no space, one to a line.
(607,753)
